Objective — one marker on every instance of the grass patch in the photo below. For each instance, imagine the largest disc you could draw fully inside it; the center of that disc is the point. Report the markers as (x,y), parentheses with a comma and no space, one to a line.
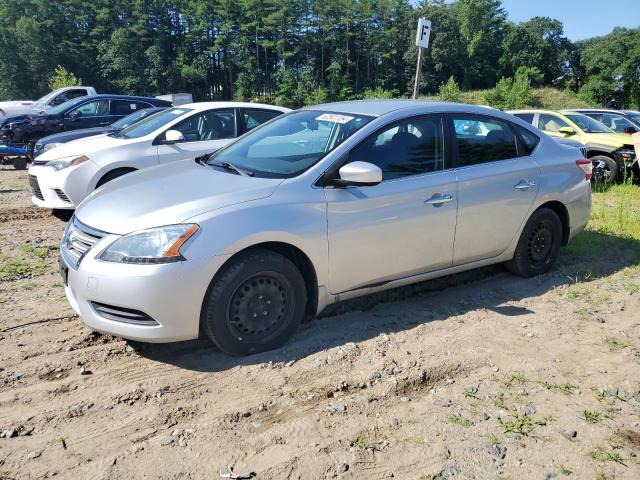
(564,388)
(459,420)
(565,471)
(615,344)
(522,424)
(515,377)
(591,416)
(602,455)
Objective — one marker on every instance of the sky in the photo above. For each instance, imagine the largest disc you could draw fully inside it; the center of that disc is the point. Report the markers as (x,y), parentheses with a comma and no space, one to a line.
(581,18)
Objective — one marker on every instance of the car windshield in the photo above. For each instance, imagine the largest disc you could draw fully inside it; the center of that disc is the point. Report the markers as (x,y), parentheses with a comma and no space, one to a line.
(588,124)
(63,106)
(131,119)
(289,145)
(153,122)
(635,116)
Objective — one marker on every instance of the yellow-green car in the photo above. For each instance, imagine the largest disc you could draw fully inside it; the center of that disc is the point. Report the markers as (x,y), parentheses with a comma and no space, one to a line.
(612,153)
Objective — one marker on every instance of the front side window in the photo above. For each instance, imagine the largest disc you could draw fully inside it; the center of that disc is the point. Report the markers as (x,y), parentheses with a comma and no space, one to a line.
(209,125)
(154,122)
(588,124)
(551,123)
(617,123)
(252,118)
(408,147)
(483,139)
(96,108)
(291,143)
(63,107)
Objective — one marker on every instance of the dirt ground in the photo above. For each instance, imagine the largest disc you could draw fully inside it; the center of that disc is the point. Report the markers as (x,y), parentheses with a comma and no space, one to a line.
(476,376)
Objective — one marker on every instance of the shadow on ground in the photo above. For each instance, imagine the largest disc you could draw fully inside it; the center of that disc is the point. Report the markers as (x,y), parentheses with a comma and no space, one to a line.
(591,255)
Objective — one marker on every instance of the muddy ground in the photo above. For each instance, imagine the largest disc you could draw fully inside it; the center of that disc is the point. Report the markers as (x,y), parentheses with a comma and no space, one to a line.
(476,376)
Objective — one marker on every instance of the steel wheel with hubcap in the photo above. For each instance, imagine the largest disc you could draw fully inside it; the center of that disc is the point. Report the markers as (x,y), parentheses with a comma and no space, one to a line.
(255,303)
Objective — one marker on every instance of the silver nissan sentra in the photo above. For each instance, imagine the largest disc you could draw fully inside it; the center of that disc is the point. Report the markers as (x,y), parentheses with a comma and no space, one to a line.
(320,205)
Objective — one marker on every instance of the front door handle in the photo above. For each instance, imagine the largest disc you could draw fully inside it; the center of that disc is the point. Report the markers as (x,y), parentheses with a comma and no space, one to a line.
(525,184)
(438,199)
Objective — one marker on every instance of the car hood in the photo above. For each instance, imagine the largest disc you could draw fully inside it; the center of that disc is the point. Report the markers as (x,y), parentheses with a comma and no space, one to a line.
(64,137)
(167,195)
(86,146)
(609,139)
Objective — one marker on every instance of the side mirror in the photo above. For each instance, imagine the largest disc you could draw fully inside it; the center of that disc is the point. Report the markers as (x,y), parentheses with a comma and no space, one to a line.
(630,130)
(172,136)
(361,174)
(567,131)
(73,116)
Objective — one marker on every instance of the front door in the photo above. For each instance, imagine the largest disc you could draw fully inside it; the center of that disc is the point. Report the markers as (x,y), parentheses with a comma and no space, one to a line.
(94,113)
(498,181)
(403,226)
(204,132)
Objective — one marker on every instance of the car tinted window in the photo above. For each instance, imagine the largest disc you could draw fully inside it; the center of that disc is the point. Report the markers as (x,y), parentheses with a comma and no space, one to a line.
(154,122)
(291,143)
(588,124)
(125,107)
(209,125)
(551,123)
(252,118)
(408,147)
(528,140)
(617,123)
(483,139)
(95,108)
(64,106)
(527,117)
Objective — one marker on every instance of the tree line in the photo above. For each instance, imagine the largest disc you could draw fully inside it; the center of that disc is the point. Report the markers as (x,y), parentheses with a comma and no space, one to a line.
(296,52)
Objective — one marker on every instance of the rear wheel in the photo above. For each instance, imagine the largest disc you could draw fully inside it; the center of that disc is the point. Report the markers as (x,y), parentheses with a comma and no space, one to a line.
(539,244)
(19,163)
(255,304)
(605,169)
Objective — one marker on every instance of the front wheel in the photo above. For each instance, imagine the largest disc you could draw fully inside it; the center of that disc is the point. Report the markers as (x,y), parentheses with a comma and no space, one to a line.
(539,244)
(605,169)
(19,163)
(255,304)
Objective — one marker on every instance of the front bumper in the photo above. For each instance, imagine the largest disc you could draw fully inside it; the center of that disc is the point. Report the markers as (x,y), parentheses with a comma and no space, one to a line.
(170,295)
(61,189)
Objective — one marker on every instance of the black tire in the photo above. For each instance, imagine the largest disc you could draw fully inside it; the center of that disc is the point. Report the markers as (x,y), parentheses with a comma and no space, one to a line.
(113,174)
(605,170)
(61,214)
(538,246)
(19,163)
(255,304)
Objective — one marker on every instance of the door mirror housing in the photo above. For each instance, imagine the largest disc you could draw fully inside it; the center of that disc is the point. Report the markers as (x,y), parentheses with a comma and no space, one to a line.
(73,116)
(567,131)
(630,130)
(361,174)
(172,136)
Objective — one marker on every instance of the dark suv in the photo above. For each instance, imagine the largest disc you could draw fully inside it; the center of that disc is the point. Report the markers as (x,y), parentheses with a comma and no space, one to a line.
(82,112)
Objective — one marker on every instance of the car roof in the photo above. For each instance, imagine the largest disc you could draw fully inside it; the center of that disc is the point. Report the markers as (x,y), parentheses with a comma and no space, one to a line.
(600,110)
(124,97)
(376,108)
(198,106)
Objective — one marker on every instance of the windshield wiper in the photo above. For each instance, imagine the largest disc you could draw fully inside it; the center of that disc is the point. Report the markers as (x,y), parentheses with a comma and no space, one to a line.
(231,167)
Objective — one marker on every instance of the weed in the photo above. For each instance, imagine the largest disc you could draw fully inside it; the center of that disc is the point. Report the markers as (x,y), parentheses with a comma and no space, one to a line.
(498,400)
(515,377)
(471,392)
(13,267)
(591,416)
(602,455)
(493,439)
(457,419)
(614,344)
(522,424)
(565,471)
(602,476)
(564,388)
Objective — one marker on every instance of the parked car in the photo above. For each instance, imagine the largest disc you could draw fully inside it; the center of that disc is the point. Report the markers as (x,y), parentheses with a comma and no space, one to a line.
(612,154)
(317,206)
(81,112)
(52,141)
(51,99)
(64,176)
(617,120)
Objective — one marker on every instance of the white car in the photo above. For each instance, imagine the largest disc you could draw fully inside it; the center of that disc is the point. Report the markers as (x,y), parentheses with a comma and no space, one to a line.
(51,99)
(62,177)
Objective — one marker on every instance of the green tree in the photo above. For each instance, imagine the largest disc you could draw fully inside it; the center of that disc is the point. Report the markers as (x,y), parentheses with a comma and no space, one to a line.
(62,78)
(450,91)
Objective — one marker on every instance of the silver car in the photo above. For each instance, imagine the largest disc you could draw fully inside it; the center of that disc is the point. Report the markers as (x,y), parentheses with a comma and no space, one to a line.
(317,206)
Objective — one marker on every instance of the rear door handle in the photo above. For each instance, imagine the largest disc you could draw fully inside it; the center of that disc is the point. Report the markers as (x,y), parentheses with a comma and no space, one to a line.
(438,199)
(525,184)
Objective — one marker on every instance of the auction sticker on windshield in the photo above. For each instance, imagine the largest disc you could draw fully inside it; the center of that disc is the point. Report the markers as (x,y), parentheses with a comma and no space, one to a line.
(334,117)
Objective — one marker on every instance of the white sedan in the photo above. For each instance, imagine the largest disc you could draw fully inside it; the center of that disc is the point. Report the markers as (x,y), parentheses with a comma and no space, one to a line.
(62,177)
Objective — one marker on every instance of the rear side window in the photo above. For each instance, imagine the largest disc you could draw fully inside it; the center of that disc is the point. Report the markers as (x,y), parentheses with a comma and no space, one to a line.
(483,139)
(528,140)
(126,107)
(527,117)
(411,146)
(252,118)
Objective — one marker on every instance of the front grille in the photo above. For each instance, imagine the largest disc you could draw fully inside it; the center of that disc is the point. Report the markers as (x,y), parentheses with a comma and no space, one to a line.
(124,315)
(35,187)
(77,241)
(61,195)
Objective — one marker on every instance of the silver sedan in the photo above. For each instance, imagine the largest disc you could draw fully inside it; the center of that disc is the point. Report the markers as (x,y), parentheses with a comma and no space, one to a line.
(318,206)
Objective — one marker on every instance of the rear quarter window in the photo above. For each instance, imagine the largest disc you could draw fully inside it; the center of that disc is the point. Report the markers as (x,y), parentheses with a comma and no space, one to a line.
(528,140)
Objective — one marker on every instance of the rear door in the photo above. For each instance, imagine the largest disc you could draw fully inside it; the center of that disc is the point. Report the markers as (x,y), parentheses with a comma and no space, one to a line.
(403,226)
(204,132)
(497,184)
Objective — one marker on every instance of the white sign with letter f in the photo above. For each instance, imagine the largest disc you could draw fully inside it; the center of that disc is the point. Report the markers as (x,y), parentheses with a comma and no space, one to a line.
(423,33)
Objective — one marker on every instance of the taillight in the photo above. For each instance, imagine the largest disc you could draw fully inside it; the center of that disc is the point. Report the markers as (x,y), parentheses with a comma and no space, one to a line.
(587,167)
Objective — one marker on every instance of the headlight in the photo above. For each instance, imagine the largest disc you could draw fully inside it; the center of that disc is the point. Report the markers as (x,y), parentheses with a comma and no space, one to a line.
(67,162)
(47,146)
(155,245)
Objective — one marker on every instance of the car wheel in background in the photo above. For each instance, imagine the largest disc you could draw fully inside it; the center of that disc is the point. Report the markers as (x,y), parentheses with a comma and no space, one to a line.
(605,169)
(19,163)
(539,244)
(255,303)
(113,174)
